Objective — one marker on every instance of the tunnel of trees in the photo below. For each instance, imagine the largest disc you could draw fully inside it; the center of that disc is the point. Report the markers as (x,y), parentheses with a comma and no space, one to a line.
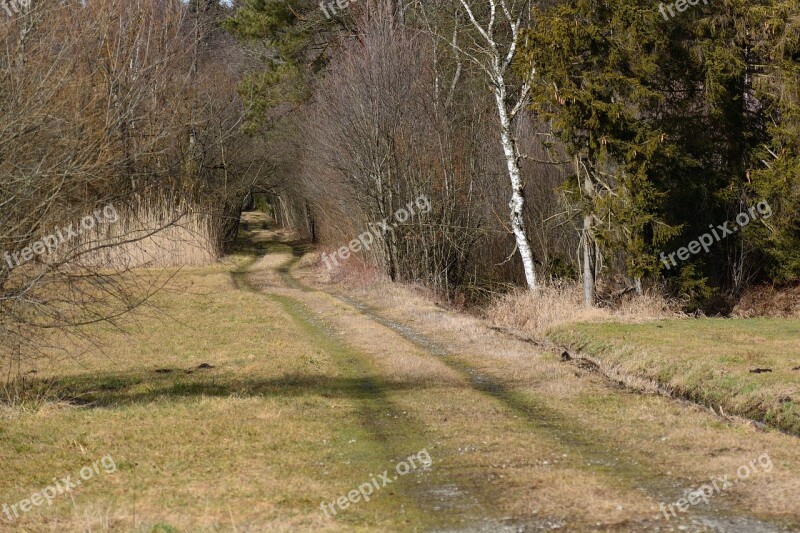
(576,141)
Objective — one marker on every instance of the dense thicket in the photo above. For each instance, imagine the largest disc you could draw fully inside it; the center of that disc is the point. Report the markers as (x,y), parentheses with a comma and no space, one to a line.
(383,105)
(679,125)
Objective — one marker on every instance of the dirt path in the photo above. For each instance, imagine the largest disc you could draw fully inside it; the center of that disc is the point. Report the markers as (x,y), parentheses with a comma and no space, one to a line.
(519,441)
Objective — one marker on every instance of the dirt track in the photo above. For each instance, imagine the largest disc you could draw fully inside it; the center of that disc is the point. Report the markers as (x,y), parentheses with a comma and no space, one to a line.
(519,440)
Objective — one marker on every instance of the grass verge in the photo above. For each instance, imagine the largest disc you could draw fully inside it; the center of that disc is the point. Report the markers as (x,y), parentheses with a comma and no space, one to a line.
(749,368)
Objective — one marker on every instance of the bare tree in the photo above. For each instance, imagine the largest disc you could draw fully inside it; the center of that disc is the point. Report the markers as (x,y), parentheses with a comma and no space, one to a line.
(96,100)
(381,134)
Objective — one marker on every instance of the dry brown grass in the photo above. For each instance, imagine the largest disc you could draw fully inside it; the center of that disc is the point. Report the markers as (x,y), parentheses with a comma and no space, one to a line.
(355,271)
(767,301)
(682,444)
(253,444)
(539,311)
(156,233)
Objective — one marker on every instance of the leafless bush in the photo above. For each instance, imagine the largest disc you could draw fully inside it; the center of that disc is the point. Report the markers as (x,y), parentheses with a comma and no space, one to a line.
(380,135)
(399,114)
(112,103)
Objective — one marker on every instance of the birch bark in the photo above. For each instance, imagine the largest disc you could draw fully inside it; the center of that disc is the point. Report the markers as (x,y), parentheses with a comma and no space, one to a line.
(495,59)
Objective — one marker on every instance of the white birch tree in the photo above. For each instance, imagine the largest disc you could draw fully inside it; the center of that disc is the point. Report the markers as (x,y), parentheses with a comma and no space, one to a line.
(499,27)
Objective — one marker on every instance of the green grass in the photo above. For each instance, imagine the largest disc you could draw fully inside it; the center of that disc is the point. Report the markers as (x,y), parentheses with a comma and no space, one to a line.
(708,361)
(274,428)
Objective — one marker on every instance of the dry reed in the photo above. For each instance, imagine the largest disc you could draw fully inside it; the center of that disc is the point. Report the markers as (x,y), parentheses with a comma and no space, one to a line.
(155,233)
(537,312)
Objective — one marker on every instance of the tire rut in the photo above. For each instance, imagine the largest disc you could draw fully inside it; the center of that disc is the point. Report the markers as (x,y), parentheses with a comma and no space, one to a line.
(613,464)
(577,438)
(441,504)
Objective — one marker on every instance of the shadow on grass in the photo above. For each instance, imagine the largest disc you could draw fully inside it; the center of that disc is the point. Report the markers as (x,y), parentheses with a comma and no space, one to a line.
(122,389)
(245,245)
(251,243)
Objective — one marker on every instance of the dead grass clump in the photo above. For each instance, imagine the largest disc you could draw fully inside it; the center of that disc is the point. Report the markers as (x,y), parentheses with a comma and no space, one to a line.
(767,301)
(309,260)
(354,271)
(155,233)
(538,311)
(21,395)
(644,307)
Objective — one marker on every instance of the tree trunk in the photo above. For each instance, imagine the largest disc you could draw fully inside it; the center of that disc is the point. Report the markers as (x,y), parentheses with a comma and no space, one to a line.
(517,203)
(588,269)
(589,279)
